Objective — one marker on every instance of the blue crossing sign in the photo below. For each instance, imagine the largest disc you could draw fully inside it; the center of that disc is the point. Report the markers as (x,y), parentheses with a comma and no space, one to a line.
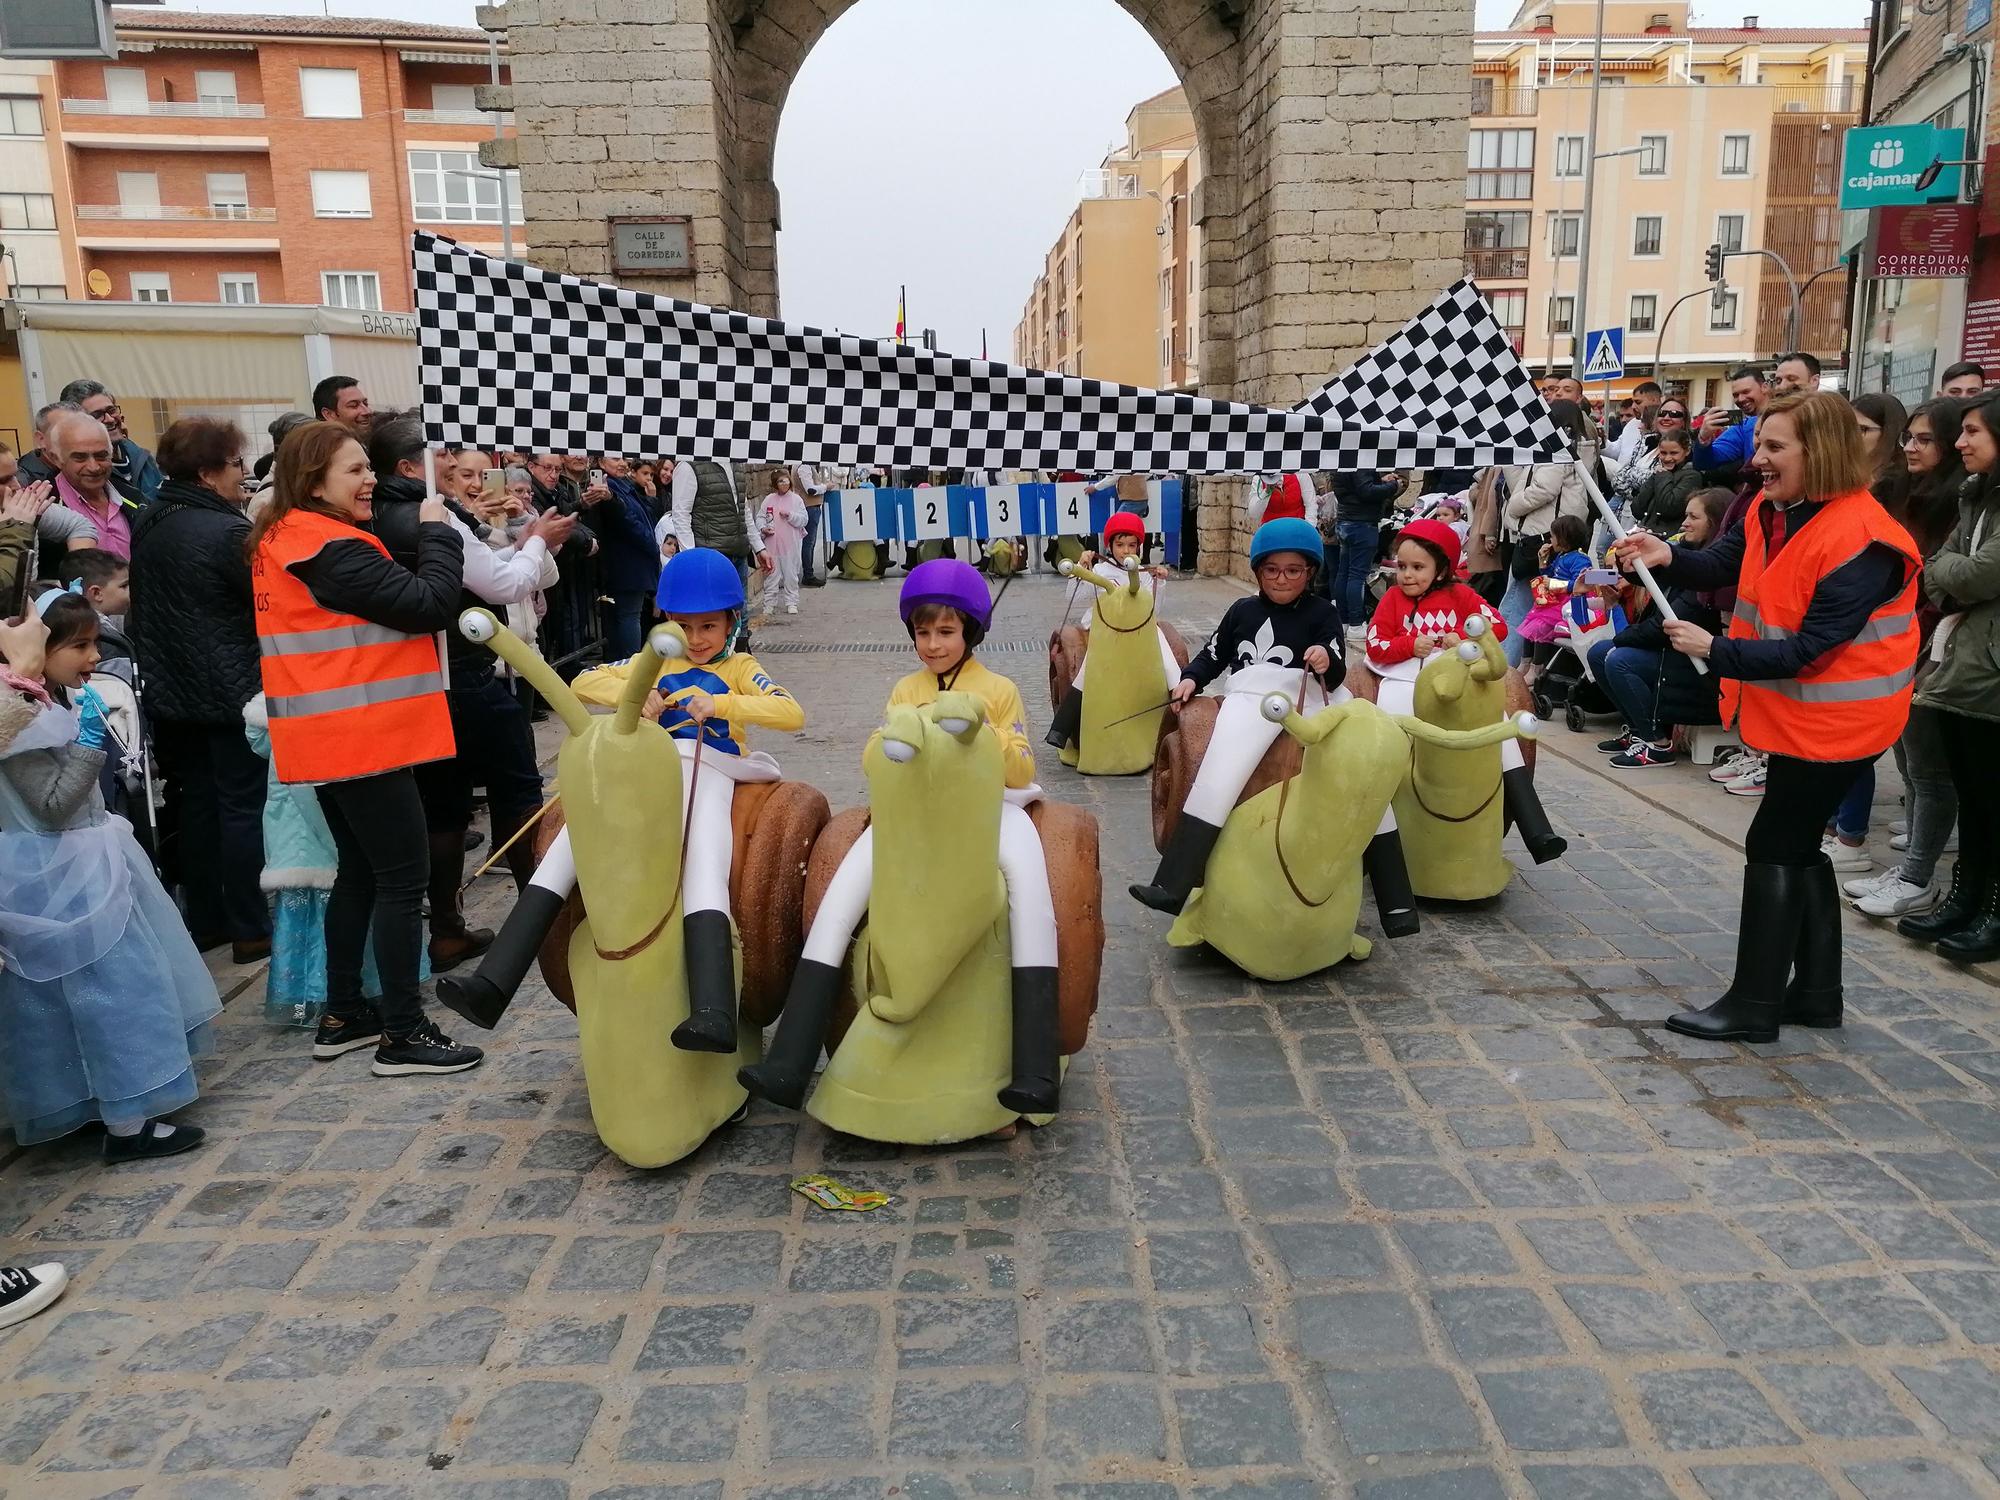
(1603,354)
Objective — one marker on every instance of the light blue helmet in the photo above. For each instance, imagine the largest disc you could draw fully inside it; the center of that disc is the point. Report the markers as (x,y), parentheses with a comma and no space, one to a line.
(1288,534)
(699,581)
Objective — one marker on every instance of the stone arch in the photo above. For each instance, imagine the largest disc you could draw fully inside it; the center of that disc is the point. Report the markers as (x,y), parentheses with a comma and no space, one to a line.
(774,38)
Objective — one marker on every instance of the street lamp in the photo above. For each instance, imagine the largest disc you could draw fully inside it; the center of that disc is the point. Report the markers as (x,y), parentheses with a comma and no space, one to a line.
(1935,170)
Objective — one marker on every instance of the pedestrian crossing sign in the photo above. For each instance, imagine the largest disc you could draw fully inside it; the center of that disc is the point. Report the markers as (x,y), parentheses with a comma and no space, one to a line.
(1604,354)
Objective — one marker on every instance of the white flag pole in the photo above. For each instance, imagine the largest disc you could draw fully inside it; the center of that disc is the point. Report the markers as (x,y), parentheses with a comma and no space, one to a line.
(1619,532)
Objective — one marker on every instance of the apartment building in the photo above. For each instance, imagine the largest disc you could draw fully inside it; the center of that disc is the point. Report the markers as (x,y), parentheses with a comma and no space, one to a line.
(1706,135)
(1094,310)
(244,159)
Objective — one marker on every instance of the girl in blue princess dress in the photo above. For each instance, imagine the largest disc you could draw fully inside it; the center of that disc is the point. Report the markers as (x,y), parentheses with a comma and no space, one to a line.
(104,1002)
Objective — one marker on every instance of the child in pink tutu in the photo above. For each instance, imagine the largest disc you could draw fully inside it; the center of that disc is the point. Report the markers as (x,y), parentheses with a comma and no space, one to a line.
(1564,558)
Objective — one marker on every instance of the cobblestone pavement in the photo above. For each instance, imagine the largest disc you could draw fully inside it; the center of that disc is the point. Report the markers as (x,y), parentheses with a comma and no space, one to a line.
(1461,1222)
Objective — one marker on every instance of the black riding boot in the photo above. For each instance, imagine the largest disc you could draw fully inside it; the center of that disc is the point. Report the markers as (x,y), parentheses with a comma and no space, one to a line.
(1389,875)
(1524,808)
(483,996)
(788,1061)
(1037,1044)
(1068,724)
(1978,942)
(1813,996)
(1767,940)
(711,983)
(1181,867)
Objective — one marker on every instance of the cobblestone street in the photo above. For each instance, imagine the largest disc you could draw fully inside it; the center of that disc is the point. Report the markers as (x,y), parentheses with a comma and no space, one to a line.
(1459,1223)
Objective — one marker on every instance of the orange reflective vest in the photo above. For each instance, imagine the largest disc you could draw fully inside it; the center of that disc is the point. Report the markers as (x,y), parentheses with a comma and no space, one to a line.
(1853,701)
(347,697)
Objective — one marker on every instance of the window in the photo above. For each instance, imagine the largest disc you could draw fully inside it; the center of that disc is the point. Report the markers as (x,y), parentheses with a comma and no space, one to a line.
(1504,230)
(1562,314)
(450,187)
(1500,164)
(453,96)
(357,289)
(29,293)
(1569,156)
(229,195)
(1729,232)
(1482,96)
(238,288)
(139,194)
(341,195)
(20,116)
(125,88)
(1736,156)
(330,93)
(1643,313)
(1646,234)
(1510,308)
(27,211)
(215,87)
(152,286)
(1722,313)
(1565,231)
(1652,156)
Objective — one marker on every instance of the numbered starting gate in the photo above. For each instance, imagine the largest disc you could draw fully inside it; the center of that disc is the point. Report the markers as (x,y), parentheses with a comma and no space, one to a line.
(938,512)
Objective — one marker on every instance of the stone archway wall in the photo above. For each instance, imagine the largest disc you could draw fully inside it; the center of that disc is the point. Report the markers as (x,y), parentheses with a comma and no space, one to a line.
(1333,137)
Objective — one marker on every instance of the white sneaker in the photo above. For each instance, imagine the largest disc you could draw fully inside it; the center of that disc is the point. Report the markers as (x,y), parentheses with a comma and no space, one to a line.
(26,1290)
(791,609)
(1866,885)
(1749,784)
(1847,858)
(1899,898)
(1900,825)
(1731,763)
(1901,841)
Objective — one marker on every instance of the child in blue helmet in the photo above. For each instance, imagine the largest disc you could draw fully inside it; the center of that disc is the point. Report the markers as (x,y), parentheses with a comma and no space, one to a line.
(1283,639)
(710,698)
(947,610)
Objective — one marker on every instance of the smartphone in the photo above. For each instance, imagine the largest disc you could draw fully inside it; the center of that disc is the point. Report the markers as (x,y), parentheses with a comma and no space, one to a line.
(596,478)
(493,487)
(21,591)
(1599,577)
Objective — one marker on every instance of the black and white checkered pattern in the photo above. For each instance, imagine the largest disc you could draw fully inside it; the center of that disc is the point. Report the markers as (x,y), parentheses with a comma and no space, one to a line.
(517,357)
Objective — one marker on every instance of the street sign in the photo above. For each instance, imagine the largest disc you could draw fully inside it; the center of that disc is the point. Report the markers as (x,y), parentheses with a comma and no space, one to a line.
(1925,239)
(1604,354)
(1880,165)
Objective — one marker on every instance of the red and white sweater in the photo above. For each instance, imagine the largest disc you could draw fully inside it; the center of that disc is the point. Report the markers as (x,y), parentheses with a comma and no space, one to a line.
(1399,620)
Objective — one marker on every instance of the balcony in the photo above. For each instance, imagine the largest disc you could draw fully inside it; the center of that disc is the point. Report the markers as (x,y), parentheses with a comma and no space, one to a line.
(178,213)
(166,109)
(1497,265)
(454,117)
(1502,101)
(1098,183)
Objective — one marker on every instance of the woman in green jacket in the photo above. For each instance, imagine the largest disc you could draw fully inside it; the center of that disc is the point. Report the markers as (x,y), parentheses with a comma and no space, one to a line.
(1963,580)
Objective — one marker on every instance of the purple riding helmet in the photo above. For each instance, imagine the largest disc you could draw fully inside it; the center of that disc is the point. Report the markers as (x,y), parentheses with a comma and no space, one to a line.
(947,581)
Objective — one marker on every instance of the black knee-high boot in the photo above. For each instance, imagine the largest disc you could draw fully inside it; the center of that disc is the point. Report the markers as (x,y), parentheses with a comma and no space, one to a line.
(1813,998)
(1181,867)
(452,942)
(1767,942)
(1037,1083)
(711,983)
(483,996)
(1389,875)
(788,1061)
(1524,809)
(1068,722)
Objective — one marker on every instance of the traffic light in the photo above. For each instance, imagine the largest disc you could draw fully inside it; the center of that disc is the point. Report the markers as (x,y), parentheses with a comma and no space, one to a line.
(1711,264)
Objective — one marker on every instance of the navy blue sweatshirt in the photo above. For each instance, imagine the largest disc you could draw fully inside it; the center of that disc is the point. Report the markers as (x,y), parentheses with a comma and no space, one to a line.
(1256,632)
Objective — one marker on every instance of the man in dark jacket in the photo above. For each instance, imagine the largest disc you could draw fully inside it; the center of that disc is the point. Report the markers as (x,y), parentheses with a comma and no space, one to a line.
(490,728)
(566,626)
(1361,501)
(628,557)
(192,621)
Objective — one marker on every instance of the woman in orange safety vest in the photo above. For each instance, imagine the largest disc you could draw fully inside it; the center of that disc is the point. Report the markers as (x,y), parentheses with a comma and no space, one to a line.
(356,698)
(1816,672)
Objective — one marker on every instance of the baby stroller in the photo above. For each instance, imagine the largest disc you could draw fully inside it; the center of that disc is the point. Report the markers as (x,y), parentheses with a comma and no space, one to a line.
(1565,685)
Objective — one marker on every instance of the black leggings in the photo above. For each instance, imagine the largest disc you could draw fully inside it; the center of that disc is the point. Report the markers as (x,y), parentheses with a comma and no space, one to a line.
(377,824)
(1968,744)
(1799,801)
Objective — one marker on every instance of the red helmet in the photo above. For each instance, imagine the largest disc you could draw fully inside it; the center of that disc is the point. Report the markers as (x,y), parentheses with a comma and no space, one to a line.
(1439,535)
(1124,524)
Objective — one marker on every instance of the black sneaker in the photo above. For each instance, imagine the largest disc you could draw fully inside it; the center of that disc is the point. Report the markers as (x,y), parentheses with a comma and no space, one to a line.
(26,1290)
(424,1050)
(1618,744)
(155,1138)
(1643,756)
(338,1035)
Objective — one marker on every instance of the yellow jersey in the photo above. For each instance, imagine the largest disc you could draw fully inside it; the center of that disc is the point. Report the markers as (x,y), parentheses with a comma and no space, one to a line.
(1003,711)
(745,699)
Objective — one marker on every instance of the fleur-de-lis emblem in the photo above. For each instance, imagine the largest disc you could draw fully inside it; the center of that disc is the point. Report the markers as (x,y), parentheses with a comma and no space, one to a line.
(1263,650)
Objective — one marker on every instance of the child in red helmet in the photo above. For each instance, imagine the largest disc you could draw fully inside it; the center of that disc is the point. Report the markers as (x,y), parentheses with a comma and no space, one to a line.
(1124,544)
(1418,622)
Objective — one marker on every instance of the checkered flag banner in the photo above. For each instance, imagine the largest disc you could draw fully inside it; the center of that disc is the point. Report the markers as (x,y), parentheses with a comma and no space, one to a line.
(516,357)
(1454,364)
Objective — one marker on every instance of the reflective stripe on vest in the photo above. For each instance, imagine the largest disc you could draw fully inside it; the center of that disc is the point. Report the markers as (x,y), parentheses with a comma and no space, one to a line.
(346,697)
(1852,701)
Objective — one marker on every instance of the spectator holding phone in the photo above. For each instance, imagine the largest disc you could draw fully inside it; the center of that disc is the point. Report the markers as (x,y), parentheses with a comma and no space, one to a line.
(1725,440)
(629,558)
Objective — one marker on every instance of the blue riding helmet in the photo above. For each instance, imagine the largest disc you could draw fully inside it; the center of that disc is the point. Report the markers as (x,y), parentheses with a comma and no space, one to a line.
(1287,534)
(700,581)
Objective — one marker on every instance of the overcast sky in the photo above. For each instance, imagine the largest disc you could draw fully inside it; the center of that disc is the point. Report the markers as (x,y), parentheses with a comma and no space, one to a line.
(938,143)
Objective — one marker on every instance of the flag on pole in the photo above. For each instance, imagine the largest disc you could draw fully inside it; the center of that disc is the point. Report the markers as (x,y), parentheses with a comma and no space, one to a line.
(982,343)
(902,321)
(514,356)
